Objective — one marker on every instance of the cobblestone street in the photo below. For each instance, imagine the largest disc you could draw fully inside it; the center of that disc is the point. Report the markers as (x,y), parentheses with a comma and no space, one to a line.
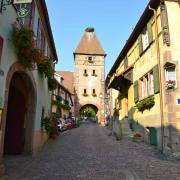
(88,152)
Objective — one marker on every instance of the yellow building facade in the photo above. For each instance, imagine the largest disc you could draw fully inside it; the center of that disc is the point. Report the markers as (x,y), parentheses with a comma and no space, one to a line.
(146,75)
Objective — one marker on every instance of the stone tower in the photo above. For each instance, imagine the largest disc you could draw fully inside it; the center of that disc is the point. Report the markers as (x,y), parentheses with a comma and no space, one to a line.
(89,74)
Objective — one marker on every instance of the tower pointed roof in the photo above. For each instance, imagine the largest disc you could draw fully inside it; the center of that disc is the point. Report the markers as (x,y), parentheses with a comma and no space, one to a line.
(89,44)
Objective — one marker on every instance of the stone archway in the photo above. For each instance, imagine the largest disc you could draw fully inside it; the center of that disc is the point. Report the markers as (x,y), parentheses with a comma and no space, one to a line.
(91,106)
(18,74)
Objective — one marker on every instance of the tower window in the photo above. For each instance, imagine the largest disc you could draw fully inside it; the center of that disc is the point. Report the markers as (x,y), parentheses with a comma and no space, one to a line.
(85,91)
(85,73)
(89,58)
(94,93)
(94,73)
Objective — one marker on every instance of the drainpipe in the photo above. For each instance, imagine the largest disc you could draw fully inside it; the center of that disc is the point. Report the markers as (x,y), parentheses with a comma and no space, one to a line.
(160,78)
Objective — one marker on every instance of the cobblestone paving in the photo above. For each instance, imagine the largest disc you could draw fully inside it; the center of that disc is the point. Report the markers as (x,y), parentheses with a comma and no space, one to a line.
(88,153)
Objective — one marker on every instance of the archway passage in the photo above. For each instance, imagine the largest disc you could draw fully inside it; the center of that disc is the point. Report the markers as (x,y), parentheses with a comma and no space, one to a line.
(15,135)
(89,111)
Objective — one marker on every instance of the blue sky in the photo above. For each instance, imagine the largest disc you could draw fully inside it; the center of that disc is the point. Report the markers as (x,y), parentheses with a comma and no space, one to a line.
(113,21)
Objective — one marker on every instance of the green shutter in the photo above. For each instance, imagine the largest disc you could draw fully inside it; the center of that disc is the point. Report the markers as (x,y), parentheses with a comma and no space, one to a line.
(150,33)
(156,79)
(125,62)
(136,94)
(140,44)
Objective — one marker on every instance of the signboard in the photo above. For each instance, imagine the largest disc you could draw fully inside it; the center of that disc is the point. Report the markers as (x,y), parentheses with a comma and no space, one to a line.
(23,12)
(22,1)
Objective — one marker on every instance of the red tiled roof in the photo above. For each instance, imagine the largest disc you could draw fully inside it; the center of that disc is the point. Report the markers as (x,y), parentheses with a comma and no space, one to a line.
(68,80)
(90,44)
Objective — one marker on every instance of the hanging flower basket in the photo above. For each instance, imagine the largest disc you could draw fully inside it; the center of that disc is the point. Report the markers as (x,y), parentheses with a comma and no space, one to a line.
(23,40)
(45,67)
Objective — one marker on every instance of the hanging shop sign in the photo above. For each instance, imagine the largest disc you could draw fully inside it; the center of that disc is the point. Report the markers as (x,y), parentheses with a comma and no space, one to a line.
(23,11)
(22,1)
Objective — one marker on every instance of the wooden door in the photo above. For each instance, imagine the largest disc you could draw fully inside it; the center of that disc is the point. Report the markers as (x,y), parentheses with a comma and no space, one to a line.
(15,135)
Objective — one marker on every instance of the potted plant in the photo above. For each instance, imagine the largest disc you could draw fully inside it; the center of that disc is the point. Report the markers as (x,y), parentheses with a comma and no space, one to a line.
(137,137)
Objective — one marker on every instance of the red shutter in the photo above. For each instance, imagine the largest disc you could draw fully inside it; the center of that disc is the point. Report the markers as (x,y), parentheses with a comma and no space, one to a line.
(1,47)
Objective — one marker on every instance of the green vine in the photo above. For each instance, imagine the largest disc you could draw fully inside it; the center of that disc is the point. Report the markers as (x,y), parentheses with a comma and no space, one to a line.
(61,105)
(144,104)
(52,84)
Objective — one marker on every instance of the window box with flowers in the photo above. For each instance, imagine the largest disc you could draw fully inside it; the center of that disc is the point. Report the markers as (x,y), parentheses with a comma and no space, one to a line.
(94,94)
(170,84)
(85,94)
(94,74)
(85,74)
(146,103)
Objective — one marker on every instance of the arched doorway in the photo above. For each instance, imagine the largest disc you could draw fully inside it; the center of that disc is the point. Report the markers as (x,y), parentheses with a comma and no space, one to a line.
(89,111)
(19,120)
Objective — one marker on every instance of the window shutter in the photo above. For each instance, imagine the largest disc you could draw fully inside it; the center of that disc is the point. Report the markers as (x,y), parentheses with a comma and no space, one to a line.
(150,34)
(165,24)
(156,79)
(140,44)
(125,62)
(1,47)
(136,93)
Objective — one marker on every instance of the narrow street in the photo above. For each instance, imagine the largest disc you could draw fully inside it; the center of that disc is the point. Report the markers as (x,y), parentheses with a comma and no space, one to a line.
(88,152)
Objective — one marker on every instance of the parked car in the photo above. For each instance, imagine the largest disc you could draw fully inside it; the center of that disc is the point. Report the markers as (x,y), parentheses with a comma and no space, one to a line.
(69,123)
(61,125)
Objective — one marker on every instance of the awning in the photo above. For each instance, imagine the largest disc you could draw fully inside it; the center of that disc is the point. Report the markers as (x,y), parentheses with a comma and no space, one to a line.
(123,79)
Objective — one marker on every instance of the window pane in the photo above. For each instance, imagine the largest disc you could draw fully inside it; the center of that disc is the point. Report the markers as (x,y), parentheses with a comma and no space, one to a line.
(171,74)
(151,84)
(145,39)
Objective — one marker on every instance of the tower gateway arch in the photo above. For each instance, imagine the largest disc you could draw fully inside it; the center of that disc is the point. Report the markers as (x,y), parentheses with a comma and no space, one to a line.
(89,76)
